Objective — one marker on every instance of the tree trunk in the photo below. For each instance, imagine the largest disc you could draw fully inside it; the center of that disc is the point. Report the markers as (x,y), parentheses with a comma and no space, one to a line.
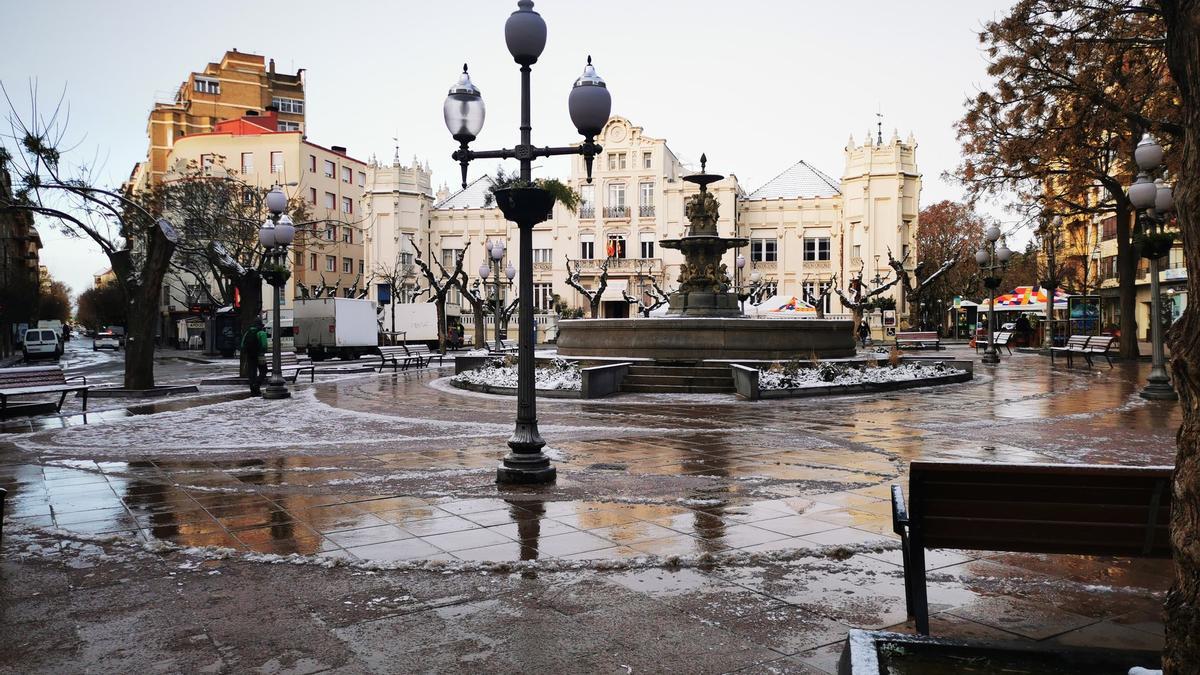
(440,302)
(1127,280)
(480,326)
(139,339)
(249,288)
(1182,651)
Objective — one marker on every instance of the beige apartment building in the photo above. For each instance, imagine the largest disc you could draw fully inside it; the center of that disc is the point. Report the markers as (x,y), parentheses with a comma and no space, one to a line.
(804,226)
(328,251)
(240,84)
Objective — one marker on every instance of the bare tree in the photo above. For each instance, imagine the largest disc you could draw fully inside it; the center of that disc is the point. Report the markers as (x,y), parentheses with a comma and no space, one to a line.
(913,286)
(440,285)
(824,290)
(859,296)
(649,299)
(593,297)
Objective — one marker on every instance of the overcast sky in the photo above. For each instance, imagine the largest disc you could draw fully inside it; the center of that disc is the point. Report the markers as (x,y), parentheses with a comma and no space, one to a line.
(755,84)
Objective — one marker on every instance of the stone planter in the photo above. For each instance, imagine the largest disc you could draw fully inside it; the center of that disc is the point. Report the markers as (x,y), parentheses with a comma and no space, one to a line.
(525,206)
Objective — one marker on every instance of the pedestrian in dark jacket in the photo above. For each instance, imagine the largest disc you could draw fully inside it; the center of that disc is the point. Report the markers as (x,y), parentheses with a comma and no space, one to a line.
(254,347)
(864,331)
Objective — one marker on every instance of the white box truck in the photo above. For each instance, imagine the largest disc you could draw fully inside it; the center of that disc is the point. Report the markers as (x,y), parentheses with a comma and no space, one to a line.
(343,327)
(418,321)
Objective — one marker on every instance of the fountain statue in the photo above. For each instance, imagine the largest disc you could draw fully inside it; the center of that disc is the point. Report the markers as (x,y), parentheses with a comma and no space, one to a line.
(704,323)
(703,280)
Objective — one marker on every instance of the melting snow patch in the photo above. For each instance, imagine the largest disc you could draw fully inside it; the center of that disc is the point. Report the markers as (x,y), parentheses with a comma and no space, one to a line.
(834,374)
(559,375)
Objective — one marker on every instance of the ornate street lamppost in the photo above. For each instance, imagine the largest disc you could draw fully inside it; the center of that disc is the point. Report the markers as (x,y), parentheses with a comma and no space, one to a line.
(991,258)
(276,235)
(526,205)
(1153,200)
(495,255)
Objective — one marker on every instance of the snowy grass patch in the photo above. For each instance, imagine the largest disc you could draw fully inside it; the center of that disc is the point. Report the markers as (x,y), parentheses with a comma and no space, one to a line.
(559,375)
(792,376)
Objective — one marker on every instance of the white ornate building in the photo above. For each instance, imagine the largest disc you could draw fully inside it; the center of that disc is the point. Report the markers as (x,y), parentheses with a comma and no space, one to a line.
(804,227)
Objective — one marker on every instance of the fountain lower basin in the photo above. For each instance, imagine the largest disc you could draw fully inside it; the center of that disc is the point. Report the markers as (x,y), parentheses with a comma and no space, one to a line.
(698,339)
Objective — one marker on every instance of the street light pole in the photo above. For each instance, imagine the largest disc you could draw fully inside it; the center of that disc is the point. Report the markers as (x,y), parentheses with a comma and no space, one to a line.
(525,204)
(991,258)
(1153,200)
(276,235)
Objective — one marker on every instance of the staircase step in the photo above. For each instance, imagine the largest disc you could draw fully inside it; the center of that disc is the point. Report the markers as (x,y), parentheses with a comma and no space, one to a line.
(706,371)
(726,381)
(674,389)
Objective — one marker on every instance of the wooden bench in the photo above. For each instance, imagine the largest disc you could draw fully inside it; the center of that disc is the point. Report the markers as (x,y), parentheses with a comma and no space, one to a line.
(506,347)
(396,356)
(918,340)
(1085,346)
(423,354)
(1002,340)
(40,380)
(292,364)
(1029,508)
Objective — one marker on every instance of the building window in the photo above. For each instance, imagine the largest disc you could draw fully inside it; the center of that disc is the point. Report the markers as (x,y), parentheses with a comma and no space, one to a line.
(587,201)
(763,250)
(329,169)
(206,164)
(206,85)
(248,197)
(293,106)
(543,255)
(361,266)
(856,251)
(347,205)
(312,261)
(312,196)
(621,160)
(347,174)
(276,161)
(330,232)
(616,246)
(312,163)
(347,265)
(616,201)
(450,257)
(647,247)
(646,200)
(587,246)
(284,125)
(362,178)
(647,160)
(347,235)
(811,295)
(816,248)
(543,297)
(247,163)
(330,200)
(330,263)
(612,161)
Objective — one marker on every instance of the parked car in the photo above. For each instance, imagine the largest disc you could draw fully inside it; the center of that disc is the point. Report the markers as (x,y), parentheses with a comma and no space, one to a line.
(41,343)
(106,341)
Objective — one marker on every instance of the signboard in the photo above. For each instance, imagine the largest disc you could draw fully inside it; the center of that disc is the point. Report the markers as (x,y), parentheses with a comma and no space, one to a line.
(1084,313)
(889,317)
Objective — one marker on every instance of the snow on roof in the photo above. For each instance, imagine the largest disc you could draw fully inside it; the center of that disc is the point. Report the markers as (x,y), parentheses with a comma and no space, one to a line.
(470,197)
(799,180)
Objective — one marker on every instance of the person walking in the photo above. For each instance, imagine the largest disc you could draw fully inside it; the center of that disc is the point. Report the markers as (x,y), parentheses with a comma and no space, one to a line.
(864,332)
(254,347)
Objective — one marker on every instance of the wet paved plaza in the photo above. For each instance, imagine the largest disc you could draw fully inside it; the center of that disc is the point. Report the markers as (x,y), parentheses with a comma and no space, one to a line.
(694,533)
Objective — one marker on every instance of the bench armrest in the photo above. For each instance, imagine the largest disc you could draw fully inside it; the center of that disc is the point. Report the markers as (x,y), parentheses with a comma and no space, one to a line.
(76,377)
(899,512)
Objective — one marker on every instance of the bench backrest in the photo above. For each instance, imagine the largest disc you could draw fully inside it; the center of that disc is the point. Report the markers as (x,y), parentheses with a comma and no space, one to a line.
(917,335)
(1044,508)
(38,376)
(1077,341)
(392,349)
(1100,342)
(418,349)
(1003,338)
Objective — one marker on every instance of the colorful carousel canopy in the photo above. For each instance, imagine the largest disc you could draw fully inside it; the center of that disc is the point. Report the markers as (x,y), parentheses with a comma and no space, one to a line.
(1027,299)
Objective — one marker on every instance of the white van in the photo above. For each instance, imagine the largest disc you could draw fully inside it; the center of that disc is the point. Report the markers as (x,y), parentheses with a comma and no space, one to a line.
(41,343)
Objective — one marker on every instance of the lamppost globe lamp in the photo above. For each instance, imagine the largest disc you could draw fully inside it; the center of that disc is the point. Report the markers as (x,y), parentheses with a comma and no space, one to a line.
(497,250)
(992,233)
(484,270)
(1148,154)
(510,271)
(981,257)
(755,276)
(276,200)
(1143,192)
(285,231)
(463,109)
(1003,254)
(525,34)
(740,261)
(266,234)
(1164,197)
(589,102)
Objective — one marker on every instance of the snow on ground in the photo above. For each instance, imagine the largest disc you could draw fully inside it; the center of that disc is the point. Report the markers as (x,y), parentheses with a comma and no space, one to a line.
(825,375)
(559,375)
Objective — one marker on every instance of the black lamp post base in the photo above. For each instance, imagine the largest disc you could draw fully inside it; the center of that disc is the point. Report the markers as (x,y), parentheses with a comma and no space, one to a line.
(1158,390)
(991,358)
(270,392)
(526,470)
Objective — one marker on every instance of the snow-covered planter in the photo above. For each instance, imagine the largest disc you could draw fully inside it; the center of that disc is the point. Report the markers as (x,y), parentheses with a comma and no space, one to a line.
(836,374)
(500,375)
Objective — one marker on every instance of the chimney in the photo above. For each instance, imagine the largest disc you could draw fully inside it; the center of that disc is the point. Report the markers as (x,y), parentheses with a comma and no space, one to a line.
(340,149)
(272,66)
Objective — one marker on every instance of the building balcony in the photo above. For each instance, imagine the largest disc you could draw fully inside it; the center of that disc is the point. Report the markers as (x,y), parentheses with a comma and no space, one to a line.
(616,212)
(622,266)
(587,211)
(646,211)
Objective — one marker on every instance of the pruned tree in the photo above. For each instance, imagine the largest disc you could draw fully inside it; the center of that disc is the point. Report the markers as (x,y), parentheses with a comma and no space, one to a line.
(1075,86)
(594,297)
(130,229)
(1182,650)
(479,306)
(824,290)
(912,284)
(650,299)
(440,285)
(859,296)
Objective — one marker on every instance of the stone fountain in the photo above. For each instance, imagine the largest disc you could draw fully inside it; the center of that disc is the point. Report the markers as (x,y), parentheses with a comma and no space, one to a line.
(704,322)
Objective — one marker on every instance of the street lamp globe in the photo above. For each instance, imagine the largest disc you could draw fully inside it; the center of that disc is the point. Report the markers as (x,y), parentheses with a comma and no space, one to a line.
(484,270)
(266,234)
(1148,154)
(981,257)
(992,233)
(510,271)
(741,261)
(463,109)
(589,102)
(755,276)
(1003,254)
(1164,197)
(525,34)
(1143,192)
(285,231)
(497,250)
(276,201)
